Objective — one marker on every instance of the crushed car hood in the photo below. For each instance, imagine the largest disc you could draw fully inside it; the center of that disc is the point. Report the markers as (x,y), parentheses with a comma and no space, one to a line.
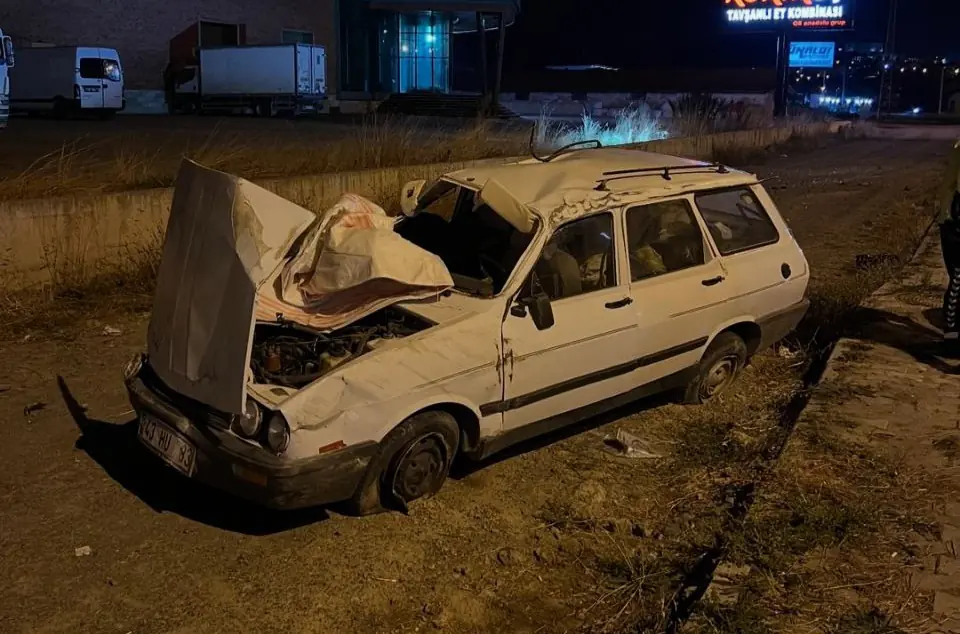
(235,252)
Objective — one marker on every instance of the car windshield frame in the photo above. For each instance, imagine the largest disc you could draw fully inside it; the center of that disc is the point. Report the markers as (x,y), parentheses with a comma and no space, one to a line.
(485,288)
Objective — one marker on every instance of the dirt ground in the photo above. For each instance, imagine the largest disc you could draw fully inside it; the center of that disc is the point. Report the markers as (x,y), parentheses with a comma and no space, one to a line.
(555,536)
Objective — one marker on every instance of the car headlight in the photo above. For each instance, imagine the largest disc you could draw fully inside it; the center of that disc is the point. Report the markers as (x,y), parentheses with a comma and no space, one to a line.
(248,423)
(278,434)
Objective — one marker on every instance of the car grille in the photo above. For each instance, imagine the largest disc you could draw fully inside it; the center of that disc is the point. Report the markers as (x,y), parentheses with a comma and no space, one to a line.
(197,412)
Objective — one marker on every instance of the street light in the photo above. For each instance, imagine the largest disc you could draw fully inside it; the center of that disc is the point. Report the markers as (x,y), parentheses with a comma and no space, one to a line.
(943,72)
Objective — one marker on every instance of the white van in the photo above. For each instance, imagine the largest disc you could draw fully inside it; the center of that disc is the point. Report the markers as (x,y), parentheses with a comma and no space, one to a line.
(67,80)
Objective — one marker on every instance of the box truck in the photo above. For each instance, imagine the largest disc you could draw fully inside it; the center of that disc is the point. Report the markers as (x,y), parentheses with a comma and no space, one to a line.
(266,79)
(6,63)
(67,80)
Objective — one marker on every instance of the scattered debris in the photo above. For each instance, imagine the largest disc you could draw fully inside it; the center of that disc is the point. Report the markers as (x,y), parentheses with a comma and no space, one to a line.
(34,407)
(786,353)
(110,331)
(507,556)
(631,446)
(83,551)
(867,261)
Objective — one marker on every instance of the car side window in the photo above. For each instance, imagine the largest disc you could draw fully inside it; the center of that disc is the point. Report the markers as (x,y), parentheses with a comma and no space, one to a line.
(577,259)
(736,220)
(91,68)
(663,237)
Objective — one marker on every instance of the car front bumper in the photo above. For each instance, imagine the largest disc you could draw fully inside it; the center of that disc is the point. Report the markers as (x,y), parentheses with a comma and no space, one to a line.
(230,464)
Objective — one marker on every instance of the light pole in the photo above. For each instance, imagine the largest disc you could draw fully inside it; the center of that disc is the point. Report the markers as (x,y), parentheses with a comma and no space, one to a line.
(886,84)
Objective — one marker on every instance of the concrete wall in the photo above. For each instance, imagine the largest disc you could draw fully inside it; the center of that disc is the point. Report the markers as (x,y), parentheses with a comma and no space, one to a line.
(49,239)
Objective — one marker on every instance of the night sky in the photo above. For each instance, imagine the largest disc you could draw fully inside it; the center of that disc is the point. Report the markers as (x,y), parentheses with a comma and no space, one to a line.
(687,33)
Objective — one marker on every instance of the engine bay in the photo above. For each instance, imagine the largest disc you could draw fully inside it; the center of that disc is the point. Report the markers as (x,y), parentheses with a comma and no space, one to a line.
(294,356)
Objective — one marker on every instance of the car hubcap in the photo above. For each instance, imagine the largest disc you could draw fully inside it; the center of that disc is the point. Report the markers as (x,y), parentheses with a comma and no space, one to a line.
(720,376)
(421,468)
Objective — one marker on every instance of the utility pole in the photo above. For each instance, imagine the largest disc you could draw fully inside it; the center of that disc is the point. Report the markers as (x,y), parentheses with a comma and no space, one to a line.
(886,74)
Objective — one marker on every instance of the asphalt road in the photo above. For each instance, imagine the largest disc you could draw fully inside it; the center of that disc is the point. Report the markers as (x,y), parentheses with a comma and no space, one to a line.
(95,536)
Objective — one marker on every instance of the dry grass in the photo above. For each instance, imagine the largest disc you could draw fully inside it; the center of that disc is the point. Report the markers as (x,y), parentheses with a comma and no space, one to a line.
(822,519)
(139,162)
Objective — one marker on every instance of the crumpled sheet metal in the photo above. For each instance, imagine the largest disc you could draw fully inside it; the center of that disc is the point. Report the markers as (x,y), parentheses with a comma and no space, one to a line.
(351,263)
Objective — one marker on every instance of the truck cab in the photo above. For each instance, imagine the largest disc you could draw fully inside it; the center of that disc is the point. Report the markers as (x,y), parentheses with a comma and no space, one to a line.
(6,63)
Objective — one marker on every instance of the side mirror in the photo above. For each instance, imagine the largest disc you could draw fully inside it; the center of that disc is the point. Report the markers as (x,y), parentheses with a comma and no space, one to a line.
(410,196)
(8,51)
(541,311)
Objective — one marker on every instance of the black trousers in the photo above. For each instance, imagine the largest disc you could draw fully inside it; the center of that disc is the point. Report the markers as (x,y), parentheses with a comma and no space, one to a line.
(950,246)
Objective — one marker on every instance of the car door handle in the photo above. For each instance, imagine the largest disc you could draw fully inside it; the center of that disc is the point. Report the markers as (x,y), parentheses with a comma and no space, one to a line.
(712,281)
(620,303)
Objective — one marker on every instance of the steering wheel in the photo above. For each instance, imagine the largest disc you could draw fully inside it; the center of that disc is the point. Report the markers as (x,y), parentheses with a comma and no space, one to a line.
(487,261)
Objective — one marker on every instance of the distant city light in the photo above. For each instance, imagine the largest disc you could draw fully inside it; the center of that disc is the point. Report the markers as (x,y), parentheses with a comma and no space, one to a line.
(916,111)
(924,70)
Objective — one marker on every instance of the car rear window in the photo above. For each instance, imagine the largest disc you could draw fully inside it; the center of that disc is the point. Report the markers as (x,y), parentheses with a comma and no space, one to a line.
(91,68)
(736,220)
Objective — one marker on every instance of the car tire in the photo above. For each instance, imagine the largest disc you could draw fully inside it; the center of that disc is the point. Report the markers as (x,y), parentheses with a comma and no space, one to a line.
(413,463)
(717,370)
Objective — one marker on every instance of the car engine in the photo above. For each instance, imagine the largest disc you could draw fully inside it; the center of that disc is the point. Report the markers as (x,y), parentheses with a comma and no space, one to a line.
(294,356)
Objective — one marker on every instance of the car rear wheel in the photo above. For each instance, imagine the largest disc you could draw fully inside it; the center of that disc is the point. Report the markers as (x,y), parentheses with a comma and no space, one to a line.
(413,463)
(717,370)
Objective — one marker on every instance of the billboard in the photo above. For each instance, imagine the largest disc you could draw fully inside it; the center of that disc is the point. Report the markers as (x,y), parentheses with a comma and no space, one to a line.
(796,15)
(812,54)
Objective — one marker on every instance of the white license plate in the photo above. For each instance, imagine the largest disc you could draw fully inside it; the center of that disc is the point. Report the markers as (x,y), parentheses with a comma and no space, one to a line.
(163,441)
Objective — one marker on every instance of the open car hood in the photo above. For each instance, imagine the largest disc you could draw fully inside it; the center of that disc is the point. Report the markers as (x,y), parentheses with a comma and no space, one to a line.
(235,252)
(225,236)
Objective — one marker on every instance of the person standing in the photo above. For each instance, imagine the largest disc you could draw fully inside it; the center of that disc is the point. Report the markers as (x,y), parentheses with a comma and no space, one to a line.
(949,220)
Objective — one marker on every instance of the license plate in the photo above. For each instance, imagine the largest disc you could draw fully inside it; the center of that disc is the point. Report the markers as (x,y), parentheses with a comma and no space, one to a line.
(163,441)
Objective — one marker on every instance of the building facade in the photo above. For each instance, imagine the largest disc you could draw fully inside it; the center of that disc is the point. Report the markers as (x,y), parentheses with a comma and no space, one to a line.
(374,47)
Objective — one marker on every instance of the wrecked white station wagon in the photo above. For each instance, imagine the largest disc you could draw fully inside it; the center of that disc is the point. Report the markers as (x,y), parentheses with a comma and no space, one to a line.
(296,359)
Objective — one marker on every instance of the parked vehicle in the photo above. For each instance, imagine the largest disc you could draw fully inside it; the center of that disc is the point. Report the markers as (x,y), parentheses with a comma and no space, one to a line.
(7,62)
(67,80)
(296,361)
(266,80)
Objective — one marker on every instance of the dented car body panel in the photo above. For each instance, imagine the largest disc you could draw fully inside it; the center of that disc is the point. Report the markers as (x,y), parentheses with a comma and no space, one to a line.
(577,285)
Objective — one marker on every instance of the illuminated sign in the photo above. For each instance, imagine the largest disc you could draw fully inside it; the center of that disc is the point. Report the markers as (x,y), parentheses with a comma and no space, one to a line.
(811,54)
(807,15)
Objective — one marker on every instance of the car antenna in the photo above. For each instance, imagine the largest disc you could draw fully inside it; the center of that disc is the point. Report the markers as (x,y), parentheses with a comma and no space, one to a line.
(595,143)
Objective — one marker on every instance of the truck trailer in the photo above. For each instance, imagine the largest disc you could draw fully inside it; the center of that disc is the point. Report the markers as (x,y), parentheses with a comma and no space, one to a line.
(266,80)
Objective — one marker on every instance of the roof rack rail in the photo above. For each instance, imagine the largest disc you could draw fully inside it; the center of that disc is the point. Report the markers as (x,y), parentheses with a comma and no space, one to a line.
(594,143)
(664,172)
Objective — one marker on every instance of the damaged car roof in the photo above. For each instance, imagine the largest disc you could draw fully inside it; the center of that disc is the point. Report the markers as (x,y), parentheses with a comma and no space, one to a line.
(568,184)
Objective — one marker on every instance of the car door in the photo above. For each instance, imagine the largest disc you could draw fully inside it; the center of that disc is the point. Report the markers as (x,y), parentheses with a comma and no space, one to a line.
(112,80)
(766,268)
(90,80)
(678,285)
(587,355)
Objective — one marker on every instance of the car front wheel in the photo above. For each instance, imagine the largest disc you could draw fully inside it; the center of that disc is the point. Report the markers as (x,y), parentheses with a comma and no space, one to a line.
(717,370)
(414,462)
